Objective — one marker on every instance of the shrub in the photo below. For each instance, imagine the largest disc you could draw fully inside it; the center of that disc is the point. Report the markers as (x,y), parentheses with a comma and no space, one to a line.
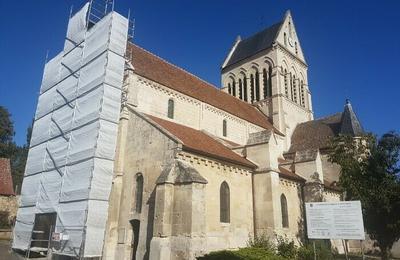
(322,248)
(261,241)
(286,248)
(248,253)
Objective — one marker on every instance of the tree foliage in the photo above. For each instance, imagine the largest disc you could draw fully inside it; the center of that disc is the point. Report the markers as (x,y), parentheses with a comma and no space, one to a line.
(8,149)
(370,173)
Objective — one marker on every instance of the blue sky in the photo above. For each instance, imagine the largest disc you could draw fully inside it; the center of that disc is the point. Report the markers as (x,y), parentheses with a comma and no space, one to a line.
(352,47)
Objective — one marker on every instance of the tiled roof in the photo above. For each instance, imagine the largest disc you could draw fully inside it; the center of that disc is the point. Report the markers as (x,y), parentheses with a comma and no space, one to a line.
(156,69)
(315,134)
(6,184)
(254,44)
(199,142)
(285,173)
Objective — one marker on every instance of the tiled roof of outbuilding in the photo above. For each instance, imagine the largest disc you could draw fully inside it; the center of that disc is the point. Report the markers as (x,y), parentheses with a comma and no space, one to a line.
(156,69)
(285,173)
(199,142)
(315,134)
(6,184)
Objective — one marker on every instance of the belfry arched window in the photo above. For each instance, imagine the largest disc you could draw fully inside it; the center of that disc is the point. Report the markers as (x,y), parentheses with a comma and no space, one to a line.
(224,128)
(224,203)
(229,88)
(257,79)
(139,193)
(245,87)
(171,108)
(285,76)
(252,85)
(294,89)
(240,89)
(302,95)
(234,87)
(284,211)
(265,83)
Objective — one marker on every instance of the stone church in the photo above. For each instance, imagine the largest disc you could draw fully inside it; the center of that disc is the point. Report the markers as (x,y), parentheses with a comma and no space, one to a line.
(200,168)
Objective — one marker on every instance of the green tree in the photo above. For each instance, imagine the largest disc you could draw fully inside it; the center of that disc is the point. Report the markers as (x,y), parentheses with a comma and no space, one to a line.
(370,173)
(6,133)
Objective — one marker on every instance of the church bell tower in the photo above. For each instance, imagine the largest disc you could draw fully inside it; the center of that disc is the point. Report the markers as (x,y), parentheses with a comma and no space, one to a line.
(268,70)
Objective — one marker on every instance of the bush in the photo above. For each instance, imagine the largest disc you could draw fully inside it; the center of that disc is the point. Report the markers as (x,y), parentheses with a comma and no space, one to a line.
(286,248)
(261,241)
(248,253)
(322,248)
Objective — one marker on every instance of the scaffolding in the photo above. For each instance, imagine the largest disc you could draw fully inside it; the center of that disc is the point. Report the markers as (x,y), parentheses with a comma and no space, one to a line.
(71,156)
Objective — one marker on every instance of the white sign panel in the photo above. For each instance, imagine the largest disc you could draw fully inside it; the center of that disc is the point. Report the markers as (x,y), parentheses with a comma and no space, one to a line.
(335,220)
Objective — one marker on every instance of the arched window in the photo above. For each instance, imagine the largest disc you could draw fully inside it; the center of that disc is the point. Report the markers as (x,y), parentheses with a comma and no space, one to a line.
(294,89)
(284,211)
(240,89)
(171,107)
(229,88)
(252,87)
(234,87)
(285,38)
(257,86)
(269,81)
(302,100)
(265,83)
(224,203)
(139,193)
(285,75)
(224,128)
(245,87)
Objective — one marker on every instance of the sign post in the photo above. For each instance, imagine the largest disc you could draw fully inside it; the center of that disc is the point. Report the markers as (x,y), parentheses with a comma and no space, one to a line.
(335,220)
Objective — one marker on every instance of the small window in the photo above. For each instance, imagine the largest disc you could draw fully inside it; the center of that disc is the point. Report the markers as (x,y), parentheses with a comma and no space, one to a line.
(224,128)
(295,47)
(171,107)
(139,193)
(224,199)
(284,211)
(285,38)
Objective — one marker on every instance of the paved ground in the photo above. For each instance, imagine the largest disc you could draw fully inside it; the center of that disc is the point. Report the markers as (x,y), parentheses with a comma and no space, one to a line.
(5,252)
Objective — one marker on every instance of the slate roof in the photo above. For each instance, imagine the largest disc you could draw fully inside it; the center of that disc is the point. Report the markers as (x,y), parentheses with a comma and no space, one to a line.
(156,69)
(6,184)
(315,134)
(254,44)
(199,142)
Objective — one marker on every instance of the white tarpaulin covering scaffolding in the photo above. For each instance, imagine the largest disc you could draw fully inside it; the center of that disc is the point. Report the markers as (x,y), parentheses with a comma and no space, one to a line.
(70,161)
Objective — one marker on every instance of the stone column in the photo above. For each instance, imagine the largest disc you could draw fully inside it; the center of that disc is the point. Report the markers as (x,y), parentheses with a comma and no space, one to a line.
(261,84)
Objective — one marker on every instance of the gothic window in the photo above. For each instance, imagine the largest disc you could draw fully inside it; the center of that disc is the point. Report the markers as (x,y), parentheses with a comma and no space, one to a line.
(265,82)
(269,82)
(294,90)
(224,203)
(139,193)
(229,88)
(224,128)
(285,38)
(257,86)
(234,87)
(284,211)
(302,100)
(245,88)
(252,87)
(286,83)
(171,107)
(240,89)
